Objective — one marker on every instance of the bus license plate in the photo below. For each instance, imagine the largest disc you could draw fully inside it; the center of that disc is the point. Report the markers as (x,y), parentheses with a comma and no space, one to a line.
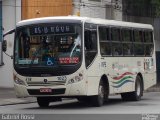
(45,90)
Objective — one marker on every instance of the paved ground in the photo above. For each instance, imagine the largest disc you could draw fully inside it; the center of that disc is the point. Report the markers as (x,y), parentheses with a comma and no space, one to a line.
(148,105)
(8,97)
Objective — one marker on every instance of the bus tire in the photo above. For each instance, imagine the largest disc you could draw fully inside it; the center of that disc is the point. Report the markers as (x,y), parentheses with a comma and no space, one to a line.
(137,94)
(99,99)
(43,101)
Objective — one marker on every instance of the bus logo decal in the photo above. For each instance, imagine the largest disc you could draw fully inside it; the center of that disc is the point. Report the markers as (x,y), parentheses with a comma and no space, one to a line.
(122,79)
(45,80)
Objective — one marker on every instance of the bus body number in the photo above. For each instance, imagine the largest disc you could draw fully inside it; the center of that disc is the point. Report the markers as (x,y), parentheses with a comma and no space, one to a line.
(62,78)
(28,79)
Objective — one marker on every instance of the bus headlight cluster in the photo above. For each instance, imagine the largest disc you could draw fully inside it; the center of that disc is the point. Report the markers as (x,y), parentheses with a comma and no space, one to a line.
(18,81)
(76,79)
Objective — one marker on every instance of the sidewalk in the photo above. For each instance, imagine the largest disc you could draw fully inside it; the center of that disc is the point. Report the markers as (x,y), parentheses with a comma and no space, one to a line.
(8,97)
(155,88)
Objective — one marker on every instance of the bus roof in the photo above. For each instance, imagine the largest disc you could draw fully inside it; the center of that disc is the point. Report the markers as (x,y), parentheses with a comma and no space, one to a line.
(84,19)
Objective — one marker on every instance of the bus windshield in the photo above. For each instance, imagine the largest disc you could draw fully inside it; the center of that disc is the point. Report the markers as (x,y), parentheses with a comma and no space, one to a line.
(48,45)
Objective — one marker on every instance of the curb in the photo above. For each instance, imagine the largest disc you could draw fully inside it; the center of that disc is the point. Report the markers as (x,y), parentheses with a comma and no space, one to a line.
(155,88)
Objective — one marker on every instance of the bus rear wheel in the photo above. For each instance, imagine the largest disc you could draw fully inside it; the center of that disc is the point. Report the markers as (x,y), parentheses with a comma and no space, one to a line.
(137,94)
(43,101)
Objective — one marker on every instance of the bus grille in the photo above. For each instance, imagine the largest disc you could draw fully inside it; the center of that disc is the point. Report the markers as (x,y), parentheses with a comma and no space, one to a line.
(49,83)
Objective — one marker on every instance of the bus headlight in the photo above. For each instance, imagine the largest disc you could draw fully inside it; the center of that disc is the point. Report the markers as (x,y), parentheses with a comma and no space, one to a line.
(18,81)
(76,79)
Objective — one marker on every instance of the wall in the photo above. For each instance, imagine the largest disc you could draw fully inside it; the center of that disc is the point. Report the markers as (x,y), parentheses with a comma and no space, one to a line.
(157,38)
(11,14)
(43,8)
(1,29)
(98,9)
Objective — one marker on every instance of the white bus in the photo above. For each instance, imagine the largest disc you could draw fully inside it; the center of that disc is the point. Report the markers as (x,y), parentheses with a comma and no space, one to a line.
(84,58)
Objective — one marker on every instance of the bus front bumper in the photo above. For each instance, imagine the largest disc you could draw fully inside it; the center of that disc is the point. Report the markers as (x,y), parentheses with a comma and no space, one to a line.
(78,89)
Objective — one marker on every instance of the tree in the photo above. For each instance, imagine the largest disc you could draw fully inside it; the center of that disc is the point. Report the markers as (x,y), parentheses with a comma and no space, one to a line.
(156,5)
(144,8)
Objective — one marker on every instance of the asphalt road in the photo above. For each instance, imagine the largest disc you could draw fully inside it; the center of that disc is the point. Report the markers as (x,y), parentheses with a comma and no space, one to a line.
(150,103)
(71,109)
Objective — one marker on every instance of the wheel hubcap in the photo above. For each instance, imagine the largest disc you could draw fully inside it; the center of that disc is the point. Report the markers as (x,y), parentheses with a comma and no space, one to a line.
(101,92)
(138,89)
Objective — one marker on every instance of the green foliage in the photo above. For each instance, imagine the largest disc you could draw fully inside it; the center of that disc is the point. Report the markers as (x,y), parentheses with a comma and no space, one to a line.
(145,8)
(156,4)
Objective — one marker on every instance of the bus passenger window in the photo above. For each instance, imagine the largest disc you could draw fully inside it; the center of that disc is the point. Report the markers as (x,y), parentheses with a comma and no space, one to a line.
(105,48)
(148,43)
(90,42)
(126,35)
(104,34)
(138,36)
(139,49)
(115,34)
(148,49)
(127,49)
(116,49)
(138,43)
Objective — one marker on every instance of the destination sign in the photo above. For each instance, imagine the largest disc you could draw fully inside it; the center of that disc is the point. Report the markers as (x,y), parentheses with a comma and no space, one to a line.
(53,29)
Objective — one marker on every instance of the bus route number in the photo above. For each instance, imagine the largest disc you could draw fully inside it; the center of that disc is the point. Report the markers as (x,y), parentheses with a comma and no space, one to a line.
(62,78)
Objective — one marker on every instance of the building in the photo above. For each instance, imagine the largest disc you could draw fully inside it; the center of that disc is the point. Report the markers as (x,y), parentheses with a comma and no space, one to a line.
(43,8)
(10,14)
(12,11)
(106,9)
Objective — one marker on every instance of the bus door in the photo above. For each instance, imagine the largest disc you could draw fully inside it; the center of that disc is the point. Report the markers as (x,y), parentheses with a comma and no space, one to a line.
(90,42)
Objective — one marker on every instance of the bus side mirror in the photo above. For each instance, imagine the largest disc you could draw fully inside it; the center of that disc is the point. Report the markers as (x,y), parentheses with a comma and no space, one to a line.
(4,46)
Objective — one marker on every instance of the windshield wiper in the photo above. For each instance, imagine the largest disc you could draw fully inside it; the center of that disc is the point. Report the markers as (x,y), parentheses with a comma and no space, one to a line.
(76,43)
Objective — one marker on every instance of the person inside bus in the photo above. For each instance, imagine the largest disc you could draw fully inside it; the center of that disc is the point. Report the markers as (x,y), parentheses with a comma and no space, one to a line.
(115,52)
(74,45)
(70,43)
(126,50)
(45,48)
(103,49)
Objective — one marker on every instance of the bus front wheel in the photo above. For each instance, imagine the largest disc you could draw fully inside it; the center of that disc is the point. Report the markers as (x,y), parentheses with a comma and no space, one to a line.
(99,99)
(43,101)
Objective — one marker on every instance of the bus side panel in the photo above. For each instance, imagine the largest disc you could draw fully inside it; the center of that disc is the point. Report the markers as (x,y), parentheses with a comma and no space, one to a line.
(93,83)
(149,80)
(137,66)
(77,89)
(125,75)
